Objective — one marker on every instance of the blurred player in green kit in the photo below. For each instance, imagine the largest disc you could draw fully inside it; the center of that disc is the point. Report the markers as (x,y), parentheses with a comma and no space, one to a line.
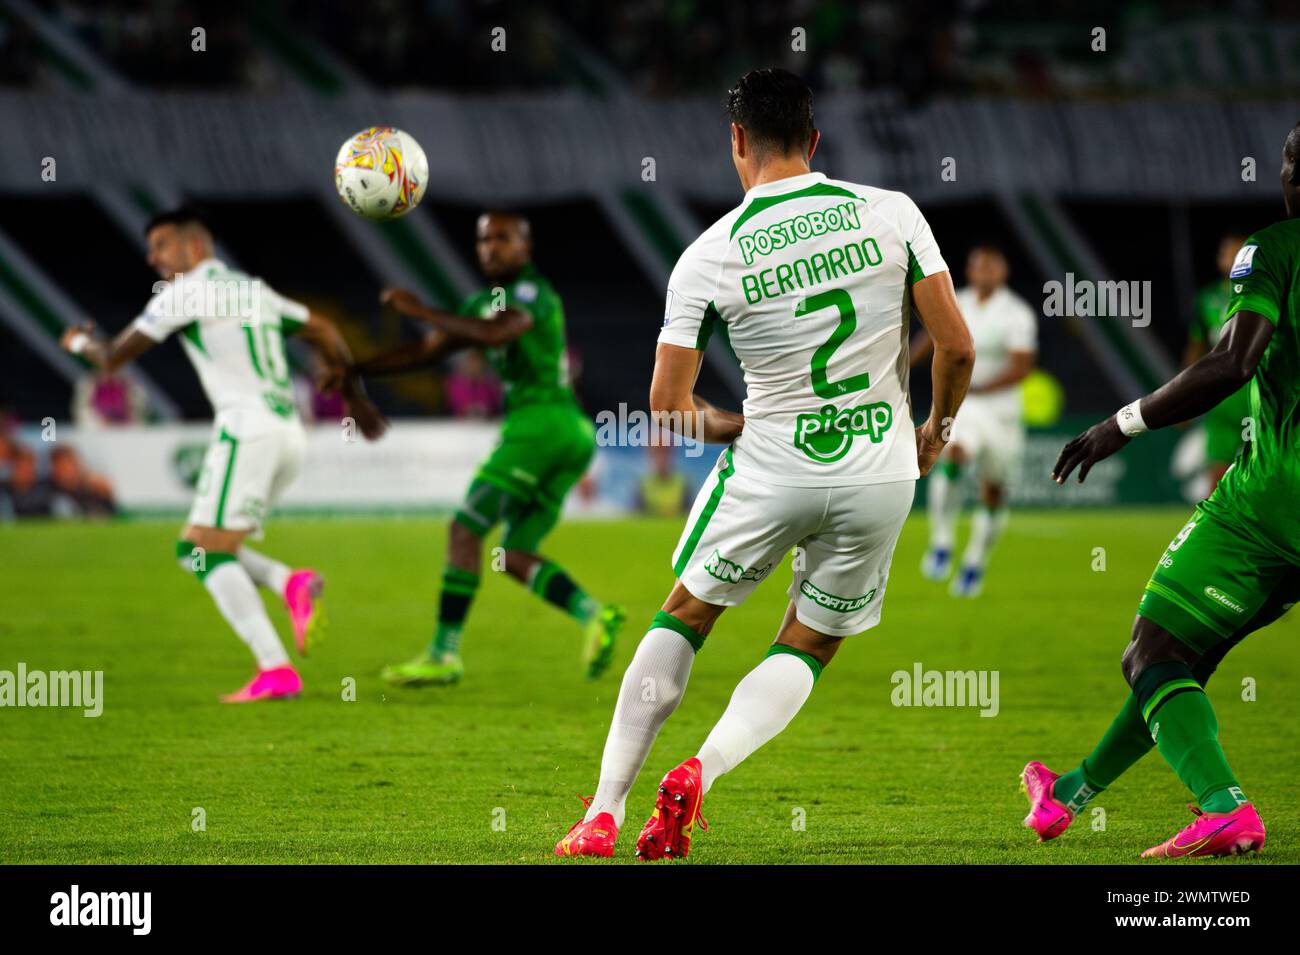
(546,445)
(1223,423)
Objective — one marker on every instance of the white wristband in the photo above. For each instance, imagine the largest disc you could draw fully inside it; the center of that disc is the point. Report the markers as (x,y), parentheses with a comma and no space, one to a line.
(78,342)
(1129,419)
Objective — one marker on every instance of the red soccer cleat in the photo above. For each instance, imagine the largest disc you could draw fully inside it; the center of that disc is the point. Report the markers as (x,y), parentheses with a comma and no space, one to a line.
(667,833)
(593,837)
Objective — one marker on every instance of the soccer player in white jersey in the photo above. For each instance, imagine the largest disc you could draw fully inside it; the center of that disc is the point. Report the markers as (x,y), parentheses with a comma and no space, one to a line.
(814,279)
(233,329)
(988,433)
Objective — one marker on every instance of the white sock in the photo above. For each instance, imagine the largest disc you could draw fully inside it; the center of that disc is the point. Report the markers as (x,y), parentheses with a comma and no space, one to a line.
(266,571)
(235,596)
(762,705)
(986,526)
(943,501)
(652,687)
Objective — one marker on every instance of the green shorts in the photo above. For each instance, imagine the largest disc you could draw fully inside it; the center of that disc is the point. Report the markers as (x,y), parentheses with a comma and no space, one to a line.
(1216,582)
(543,452)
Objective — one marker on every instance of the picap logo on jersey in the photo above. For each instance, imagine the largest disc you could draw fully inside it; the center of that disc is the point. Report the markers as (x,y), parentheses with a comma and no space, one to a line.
(731,572)
(827,435)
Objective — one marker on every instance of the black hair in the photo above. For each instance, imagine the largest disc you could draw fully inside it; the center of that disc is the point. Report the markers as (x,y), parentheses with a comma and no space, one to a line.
(775,108)
(180,216)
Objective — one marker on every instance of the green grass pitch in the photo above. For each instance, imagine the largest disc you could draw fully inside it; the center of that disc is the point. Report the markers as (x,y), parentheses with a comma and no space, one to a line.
(488,772)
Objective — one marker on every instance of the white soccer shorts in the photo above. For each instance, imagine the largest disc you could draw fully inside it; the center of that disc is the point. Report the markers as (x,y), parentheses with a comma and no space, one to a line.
(994,441)
(740,528)
(242,477)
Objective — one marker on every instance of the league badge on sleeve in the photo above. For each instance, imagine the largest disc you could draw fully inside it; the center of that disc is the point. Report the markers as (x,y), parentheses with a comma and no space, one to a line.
(1244,262)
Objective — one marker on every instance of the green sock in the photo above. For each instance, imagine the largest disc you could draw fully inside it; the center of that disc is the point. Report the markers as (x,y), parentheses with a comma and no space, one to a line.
(1125,742)
(458,589)
(1186,731)
(553,585)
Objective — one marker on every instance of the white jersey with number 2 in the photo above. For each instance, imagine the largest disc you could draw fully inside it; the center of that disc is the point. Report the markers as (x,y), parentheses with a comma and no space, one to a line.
(811,277)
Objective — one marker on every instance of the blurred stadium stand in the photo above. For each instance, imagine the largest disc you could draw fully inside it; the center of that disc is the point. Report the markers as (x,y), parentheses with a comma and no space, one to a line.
(561,125)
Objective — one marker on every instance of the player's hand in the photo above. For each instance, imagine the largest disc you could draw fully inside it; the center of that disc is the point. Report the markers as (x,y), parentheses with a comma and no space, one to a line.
(72,331)
(404,300)
(930,441)
(369,418)
(1096,444)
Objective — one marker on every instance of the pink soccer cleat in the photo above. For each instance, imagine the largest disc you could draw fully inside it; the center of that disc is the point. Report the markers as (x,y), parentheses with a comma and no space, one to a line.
(302,593)
(1214,834)
(595,837)
(1047,816)
(280,683)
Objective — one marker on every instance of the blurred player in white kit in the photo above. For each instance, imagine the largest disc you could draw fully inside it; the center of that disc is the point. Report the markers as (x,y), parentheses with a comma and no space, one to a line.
(988,434)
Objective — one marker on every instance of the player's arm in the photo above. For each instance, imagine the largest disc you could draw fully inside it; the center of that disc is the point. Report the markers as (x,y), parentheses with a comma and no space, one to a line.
(1019,365)
(429,350)
(106,354)
(324,336)
(508,324)
(675,405)
(954,358)
(1191,393)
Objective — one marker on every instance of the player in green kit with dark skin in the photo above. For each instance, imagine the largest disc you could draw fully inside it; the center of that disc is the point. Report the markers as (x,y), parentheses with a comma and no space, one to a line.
(1232,569)
(546,445)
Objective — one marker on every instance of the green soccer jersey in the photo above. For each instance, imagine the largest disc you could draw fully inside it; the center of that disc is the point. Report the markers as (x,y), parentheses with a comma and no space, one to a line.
(533,368)
(1260,491)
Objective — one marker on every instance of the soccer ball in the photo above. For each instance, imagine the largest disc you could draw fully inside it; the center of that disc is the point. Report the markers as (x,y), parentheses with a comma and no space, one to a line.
(381,173)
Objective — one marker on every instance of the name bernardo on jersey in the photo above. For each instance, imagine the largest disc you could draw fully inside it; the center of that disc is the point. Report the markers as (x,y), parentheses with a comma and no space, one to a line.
(819,267)
(810,278)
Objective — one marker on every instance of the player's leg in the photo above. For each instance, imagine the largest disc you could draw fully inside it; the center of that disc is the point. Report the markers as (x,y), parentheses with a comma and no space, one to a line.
(1209,580)
(527,525)
(768,698)
(988,521)
(1127,739)
(943,497)
(229,502)
(838,590)
(1000,449)
(652,686)
(748,522)
(440,664)
(302,588)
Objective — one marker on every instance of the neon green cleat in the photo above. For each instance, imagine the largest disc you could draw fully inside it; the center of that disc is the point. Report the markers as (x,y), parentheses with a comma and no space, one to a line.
(425,671)
(602,634)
